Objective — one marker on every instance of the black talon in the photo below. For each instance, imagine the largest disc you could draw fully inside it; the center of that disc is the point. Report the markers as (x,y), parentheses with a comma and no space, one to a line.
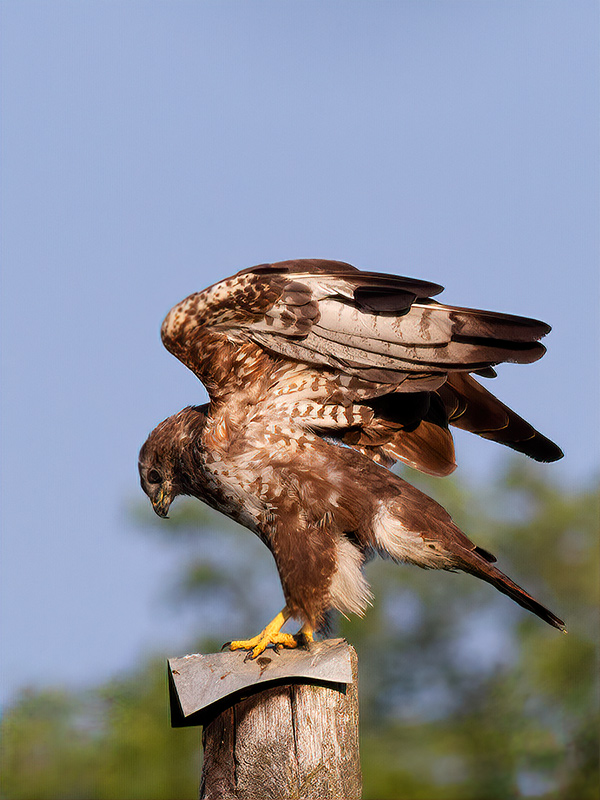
(223,646)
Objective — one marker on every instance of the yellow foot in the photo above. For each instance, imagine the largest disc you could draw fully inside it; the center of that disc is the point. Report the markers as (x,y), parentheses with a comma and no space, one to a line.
(260,643)
(272,635)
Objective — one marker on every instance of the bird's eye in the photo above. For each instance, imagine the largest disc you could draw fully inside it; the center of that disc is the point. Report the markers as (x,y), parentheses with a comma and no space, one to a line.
(153,476)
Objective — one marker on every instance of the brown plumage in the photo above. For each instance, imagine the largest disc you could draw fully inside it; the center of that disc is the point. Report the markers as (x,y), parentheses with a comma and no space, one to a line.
(320,377)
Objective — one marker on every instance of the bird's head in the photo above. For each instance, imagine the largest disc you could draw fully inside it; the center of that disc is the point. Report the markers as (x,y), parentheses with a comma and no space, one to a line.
(166,458)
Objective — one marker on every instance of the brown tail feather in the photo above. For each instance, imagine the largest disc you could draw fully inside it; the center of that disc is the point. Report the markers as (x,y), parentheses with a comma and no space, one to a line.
(484,570)
(473,408)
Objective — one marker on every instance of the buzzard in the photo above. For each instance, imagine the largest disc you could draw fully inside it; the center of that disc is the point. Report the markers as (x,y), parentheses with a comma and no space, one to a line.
(320,377)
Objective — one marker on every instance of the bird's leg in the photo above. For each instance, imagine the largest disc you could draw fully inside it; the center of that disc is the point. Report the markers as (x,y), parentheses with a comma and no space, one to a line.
(270,635)
(306,634)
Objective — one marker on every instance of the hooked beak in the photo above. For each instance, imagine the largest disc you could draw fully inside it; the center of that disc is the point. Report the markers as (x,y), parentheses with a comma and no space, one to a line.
(161,503)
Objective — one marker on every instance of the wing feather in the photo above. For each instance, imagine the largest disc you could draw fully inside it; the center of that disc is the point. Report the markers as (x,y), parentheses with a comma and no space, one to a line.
(474,409)
(342,352)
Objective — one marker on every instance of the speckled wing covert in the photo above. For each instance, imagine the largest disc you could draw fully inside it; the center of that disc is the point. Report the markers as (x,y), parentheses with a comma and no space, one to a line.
(367,358)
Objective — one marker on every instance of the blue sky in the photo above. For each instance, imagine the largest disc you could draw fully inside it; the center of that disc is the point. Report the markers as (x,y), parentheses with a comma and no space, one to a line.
(152,148)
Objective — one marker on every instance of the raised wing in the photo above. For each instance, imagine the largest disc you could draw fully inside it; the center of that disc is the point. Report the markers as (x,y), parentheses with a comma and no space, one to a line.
(367,357)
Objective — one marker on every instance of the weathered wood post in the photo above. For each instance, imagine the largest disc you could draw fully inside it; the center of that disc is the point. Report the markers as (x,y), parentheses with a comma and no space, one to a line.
(282,726)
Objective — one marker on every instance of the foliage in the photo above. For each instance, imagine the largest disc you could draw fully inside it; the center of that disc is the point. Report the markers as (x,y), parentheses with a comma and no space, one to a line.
(463,694)
(112,742)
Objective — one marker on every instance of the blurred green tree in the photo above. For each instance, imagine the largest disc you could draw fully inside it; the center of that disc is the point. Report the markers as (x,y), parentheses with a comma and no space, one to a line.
(463,694)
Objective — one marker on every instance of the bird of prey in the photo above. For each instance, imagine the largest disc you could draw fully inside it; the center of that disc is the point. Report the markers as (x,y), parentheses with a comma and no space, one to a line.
(320,377)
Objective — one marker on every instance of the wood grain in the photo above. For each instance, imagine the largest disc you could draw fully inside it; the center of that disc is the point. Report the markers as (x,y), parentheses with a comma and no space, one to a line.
(295,740)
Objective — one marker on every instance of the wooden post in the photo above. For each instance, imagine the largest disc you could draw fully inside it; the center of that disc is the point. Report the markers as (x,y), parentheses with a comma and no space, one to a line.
(294,736)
